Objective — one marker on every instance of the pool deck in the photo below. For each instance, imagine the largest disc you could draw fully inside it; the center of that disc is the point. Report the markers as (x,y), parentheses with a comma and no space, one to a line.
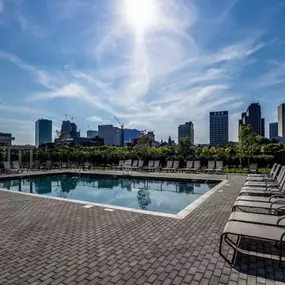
(48,241)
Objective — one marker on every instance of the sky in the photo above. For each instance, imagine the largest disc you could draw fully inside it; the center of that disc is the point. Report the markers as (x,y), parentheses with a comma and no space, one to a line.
(154,64)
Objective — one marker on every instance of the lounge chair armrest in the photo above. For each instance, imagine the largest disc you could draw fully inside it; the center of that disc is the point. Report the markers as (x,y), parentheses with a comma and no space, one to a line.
(277,196)
(280,202)
(279,208)
(279,220)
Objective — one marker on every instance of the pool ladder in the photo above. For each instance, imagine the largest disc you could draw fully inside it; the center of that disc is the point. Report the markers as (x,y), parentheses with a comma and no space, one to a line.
(126,170)
(215,172)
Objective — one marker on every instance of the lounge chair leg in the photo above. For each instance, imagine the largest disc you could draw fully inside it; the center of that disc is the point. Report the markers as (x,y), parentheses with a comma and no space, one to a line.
(280,253)
(223,238)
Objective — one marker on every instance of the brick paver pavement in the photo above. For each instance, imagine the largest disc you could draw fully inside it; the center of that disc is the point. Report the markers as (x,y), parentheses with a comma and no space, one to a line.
(45,241)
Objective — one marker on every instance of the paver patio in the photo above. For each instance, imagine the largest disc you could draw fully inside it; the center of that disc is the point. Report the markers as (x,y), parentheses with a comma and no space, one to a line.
(45,241)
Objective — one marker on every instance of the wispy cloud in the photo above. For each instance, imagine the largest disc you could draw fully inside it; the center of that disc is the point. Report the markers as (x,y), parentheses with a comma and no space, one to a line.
(94,119)
(274,76)
(26,110)
(42,77)
(27,25)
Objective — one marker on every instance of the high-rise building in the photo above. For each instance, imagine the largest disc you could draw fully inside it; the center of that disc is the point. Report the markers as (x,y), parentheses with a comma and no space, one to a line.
(110,134)
(252,117)
(273,130)
(92,134)
(69,130)
(219,128)
(186,131)
(130,134)
(281,120)
(6,139)
(43,131)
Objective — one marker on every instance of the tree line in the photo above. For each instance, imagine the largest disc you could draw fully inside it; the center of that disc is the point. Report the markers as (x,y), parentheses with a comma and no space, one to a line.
(250,148)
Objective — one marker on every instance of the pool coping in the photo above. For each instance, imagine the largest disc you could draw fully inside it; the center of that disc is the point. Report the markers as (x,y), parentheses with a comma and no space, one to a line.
(180,215)
(110,174)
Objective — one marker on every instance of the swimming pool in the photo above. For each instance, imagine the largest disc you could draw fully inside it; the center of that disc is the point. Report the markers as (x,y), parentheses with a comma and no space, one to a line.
(143,194)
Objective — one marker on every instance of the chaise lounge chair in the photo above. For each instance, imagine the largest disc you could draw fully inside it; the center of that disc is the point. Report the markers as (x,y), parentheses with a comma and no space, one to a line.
(265,184)
(134,164)
(211,166)
(149,165)
(189,166)
(264,175)
(175,165)
(273,208)
(249,193)
(155,166)
(197,166)
(256,218)
(219,166)
(250,230)
(253,168)
(8,169)
(16,166)
(169,165)
(270,177)
(139,165)
(120,165)
(127,164)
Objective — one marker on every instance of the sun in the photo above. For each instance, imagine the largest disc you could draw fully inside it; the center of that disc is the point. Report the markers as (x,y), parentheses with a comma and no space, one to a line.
(140,14)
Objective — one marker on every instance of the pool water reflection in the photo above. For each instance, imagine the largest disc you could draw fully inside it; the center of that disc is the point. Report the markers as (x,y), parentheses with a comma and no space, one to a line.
(153,195)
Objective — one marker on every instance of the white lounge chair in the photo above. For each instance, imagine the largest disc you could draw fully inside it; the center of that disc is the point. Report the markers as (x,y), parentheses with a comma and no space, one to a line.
(189,166)
(211,166)
(219,166)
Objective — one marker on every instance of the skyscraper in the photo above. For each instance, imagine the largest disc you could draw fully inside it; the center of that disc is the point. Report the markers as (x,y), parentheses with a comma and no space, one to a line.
(186,131)
(69,130)
(281,120)
(110,134)
(252,117)
(130,134)
(273,130)
(43,132)
(92,134)
(219,128)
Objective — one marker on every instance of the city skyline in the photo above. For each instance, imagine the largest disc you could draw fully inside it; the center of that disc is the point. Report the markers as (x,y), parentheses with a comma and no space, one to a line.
(194,58)
(70,127)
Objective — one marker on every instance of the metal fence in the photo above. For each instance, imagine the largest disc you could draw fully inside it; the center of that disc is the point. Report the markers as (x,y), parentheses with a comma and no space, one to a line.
(279,157)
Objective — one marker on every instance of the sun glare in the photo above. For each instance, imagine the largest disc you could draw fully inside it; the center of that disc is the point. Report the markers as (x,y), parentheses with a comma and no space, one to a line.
(140,13)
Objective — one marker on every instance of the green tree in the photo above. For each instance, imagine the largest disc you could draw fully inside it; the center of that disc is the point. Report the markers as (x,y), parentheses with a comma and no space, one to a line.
(247,145)
(143,145)
(185,147)
(59,138)
(271,148)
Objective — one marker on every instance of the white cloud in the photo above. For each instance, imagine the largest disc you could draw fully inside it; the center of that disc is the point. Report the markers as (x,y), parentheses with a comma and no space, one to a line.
(71,90)
(27,25)
(274,76)
(42,77)
(26,110)
(94,119)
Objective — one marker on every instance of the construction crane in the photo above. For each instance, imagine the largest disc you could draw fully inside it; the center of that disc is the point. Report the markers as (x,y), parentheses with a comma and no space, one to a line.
(122,131)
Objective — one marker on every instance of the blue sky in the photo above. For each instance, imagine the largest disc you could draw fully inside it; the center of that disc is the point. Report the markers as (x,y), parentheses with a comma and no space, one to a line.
(87,59)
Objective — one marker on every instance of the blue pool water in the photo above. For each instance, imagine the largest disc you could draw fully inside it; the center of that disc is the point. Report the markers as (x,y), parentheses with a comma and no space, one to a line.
(152,195)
